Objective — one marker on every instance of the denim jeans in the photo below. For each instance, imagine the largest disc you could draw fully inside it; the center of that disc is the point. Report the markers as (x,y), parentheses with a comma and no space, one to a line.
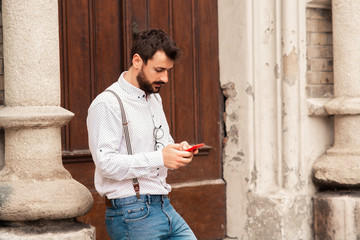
(150,217)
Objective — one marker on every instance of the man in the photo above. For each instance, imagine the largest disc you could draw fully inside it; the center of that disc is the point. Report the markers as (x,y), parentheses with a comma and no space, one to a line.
(133,181)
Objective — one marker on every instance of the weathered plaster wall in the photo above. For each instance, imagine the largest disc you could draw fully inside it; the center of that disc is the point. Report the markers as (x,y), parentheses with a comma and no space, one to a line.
(1,90)
(272,141)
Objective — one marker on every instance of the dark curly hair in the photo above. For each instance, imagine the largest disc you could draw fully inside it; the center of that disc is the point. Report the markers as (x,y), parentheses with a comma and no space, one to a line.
(148,42)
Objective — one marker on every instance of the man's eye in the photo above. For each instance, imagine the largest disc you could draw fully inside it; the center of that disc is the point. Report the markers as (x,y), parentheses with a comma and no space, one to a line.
(162,70)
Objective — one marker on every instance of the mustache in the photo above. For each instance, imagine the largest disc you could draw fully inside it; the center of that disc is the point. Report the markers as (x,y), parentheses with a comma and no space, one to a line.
(159,82)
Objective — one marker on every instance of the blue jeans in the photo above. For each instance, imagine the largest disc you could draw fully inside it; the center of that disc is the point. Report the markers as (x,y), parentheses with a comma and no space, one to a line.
(150,217)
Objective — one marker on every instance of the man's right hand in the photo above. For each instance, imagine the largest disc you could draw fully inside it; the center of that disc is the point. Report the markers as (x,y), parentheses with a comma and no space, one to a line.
(175,158)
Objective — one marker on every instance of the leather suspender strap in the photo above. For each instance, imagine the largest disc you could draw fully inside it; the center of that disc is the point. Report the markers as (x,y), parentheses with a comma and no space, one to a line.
(136,184)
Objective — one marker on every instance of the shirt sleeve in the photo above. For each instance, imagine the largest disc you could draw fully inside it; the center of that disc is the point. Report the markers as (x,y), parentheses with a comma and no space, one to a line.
(105,134)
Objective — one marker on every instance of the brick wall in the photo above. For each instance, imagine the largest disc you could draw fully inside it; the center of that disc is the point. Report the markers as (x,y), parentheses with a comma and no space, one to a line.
(319,53)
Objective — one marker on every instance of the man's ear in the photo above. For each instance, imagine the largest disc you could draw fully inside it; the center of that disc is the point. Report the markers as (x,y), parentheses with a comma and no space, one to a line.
(137,61)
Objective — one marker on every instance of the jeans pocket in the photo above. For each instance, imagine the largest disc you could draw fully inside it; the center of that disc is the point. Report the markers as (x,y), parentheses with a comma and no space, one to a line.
(136,212)
(114,221)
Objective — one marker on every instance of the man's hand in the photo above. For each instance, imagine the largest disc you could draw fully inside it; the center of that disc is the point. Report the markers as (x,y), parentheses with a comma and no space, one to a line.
(185,145)
(175,156)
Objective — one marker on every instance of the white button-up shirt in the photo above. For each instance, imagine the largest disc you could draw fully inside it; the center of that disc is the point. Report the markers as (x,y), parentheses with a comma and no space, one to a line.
(115,169)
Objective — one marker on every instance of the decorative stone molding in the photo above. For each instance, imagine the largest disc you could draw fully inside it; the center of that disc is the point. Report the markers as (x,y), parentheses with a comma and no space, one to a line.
(319,4)
(337,106)
(344,106)
(333,106)
(316,106)
(263,159)
(34,116)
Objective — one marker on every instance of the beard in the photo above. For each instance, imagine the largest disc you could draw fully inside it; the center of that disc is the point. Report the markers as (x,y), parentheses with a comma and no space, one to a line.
(146,85)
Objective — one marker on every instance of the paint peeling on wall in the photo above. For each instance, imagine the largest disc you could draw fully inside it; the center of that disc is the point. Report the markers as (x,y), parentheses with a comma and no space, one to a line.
(249,91)
(239,157)
(233,134)
(233,116)
(229,90)
(291,70)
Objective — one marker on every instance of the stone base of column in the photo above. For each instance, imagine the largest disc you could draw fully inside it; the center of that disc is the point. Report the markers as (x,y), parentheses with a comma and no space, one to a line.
(337,169)
(68,229)
(278,214)
(51,200)
(336,215)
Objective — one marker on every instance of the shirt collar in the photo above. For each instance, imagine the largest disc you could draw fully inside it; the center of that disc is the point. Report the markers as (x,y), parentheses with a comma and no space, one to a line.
(129,88)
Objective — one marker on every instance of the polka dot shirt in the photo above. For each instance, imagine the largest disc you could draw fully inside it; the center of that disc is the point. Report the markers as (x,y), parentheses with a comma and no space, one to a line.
(114,168)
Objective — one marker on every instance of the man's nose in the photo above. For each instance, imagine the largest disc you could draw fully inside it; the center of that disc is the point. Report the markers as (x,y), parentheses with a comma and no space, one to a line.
(165,77)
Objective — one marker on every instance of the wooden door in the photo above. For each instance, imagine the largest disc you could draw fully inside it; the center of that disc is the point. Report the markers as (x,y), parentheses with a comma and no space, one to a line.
(95,39)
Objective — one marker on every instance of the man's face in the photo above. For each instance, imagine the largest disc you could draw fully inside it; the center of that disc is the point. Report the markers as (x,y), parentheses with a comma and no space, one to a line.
(155,73)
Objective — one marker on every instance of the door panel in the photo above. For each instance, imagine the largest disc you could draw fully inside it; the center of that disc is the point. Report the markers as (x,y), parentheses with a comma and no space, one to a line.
(95,39)
(202,208)
(76,68)
(185,88)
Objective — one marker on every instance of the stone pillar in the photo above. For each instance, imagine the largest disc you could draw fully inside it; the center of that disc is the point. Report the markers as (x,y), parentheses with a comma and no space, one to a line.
(38,197)
(340,166)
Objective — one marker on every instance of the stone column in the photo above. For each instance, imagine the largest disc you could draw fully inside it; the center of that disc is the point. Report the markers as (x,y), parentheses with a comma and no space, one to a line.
(336,214)
(38,197)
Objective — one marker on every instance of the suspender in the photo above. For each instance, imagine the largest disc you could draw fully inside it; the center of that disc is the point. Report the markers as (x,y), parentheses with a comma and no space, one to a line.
(136,184)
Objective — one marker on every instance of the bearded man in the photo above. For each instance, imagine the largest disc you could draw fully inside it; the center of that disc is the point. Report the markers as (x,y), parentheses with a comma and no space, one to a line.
(131,145)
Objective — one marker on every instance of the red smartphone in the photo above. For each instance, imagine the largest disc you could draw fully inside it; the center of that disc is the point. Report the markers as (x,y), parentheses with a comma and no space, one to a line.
(193,148)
